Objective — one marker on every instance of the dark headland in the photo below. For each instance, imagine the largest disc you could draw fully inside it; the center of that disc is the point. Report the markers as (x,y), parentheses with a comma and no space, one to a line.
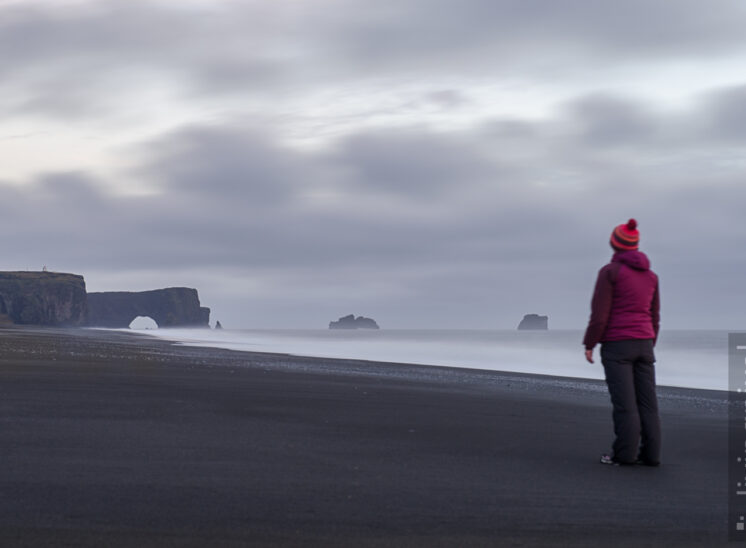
(114,439)
(56,299)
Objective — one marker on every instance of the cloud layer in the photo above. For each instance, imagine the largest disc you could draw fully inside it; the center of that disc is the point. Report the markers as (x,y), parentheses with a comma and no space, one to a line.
(416,223)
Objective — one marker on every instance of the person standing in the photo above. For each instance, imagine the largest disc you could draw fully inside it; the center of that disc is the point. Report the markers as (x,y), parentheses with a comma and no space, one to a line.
(625,319)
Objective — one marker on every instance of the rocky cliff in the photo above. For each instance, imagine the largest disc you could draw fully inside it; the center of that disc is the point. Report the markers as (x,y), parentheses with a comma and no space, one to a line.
(42,298)
(351,322)
(170,307)
(534,321)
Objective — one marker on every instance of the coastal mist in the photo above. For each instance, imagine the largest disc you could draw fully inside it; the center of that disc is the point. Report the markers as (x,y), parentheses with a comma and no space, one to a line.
(685,358)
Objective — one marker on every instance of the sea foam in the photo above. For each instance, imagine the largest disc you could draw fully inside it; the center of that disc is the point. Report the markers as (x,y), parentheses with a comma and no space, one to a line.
(686,358)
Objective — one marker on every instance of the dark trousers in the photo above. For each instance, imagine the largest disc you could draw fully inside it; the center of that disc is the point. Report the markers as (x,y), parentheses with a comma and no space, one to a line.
(630,376)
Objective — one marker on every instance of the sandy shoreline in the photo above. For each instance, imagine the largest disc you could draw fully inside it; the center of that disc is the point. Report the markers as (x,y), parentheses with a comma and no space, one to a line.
(117,439)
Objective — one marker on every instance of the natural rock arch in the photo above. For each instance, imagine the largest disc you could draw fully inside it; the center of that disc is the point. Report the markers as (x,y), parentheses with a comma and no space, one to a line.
(170,307)
(143,322)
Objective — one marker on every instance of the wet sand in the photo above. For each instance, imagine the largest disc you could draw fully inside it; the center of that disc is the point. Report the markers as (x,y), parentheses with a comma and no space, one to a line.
(114,439)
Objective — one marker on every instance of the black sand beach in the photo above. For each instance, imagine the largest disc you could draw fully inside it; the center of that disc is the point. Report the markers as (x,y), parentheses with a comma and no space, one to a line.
(112,439)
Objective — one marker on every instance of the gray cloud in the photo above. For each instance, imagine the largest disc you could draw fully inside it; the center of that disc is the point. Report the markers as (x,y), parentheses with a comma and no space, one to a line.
(724,115)
(478,223)
(53,58)
(488,34)
(417,226)
(604,121)
(223,162)
(415,162)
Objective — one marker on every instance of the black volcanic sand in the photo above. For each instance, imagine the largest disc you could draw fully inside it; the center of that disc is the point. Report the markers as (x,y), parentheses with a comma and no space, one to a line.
(115,439)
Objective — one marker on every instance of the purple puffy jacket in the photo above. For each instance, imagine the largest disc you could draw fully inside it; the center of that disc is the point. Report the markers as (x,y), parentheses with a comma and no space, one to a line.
(625,304)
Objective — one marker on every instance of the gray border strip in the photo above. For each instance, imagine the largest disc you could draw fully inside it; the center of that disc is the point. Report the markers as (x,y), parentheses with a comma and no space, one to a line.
(737,437)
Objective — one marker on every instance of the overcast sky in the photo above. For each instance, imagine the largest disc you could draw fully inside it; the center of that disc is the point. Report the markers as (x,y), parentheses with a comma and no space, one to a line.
(427,163)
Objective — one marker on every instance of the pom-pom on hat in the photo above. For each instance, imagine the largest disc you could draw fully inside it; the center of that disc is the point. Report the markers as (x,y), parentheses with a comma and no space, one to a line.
(625,237)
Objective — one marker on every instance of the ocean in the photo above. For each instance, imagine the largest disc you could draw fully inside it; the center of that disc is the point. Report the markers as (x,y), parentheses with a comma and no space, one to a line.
(685,358)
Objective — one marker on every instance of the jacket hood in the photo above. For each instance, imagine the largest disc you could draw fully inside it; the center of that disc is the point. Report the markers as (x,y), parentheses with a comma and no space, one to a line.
(634,259)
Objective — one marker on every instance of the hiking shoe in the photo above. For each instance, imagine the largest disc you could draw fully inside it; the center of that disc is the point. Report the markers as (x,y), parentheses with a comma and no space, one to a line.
(608,459)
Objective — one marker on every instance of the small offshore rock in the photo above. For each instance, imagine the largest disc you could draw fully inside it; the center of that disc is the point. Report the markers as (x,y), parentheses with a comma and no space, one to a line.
(351,322)
(534,321)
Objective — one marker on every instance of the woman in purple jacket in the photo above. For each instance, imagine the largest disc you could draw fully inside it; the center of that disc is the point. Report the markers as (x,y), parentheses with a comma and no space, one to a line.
(625,320)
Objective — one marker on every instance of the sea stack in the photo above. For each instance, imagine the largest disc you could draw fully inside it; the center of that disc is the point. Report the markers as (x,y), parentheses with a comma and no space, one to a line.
(351,322)
(534,321)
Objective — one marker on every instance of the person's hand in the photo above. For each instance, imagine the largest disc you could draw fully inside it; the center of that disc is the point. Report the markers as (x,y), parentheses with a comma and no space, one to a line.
(589,355)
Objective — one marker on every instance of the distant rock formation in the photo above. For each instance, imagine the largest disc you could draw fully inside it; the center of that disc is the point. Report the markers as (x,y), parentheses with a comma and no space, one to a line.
(170,307)
(60,300)
(351,322)
(42,298)
(218,325)
(534,321)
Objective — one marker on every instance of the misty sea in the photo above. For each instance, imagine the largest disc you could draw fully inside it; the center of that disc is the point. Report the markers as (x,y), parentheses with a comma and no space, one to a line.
(685,358)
